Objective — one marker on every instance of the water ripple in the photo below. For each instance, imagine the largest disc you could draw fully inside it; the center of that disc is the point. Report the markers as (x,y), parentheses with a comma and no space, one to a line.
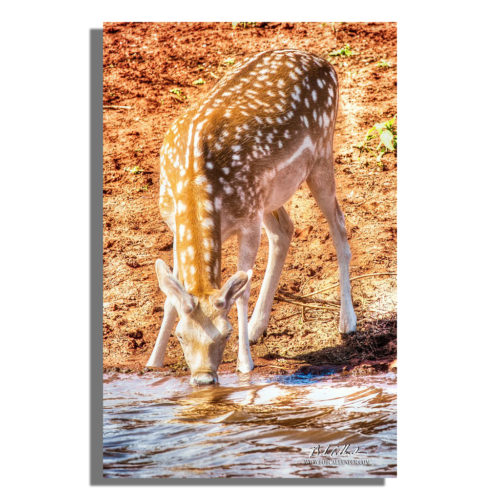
(157,426)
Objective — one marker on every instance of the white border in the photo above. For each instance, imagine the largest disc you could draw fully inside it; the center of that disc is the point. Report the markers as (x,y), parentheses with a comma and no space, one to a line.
(448,251)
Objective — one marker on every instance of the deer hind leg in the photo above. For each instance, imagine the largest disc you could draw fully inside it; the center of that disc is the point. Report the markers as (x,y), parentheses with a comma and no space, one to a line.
(249,240)
(279,230)
(169,318)
(322,185)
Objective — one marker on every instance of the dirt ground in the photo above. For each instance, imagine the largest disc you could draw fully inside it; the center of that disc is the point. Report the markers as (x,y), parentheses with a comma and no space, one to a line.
(149,69)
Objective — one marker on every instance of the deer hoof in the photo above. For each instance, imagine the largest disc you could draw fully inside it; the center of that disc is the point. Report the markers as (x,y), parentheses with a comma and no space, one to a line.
(245,367)
(347,322)
(154,364)
(253,339)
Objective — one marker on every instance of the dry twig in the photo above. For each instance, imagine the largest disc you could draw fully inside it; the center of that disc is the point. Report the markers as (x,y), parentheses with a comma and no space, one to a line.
(287,317)
(301,304)
(299,299)
(306,300)
(117,107)
(352,279)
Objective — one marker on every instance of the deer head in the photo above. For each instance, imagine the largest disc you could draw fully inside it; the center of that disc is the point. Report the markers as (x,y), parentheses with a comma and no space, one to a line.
(203,328)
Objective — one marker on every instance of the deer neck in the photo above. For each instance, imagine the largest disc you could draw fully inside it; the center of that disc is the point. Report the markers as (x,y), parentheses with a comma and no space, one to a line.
(198,233)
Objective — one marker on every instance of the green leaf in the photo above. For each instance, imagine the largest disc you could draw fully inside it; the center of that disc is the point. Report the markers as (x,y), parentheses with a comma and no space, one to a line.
(344,51)
(386,138)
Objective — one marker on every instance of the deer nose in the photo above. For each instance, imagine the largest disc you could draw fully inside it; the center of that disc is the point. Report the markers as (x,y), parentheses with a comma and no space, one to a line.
(204,378)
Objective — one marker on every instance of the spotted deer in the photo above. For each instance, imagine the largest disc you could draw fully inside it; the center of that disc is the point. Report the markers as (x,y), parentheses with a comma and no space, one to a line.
(227,168)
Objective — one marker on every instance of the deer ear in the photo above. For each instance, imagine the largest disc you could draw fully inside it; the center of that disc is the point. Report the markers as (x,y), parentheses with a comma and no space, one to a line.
(172,287)
(234,287)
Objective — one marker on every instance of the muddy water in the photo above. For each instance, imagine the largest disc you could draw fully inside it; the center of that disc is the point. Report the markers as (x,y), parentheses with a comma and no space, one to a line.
(248,426)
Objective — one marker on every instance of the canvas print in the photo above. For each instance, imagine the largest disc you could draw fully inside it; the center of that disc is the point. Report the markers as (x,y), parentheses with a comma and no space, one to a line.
(249,250)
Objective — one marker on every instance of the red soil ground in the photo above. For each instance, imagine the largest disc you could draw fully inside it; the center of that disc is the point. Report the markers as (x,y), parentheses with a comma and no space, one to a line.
(143,63)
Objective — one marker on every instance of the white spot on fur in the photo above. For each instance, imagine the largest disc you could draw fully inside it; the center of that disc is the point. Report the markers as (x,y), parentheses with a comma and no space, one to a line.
(209,207)
(207,223)
(181,207)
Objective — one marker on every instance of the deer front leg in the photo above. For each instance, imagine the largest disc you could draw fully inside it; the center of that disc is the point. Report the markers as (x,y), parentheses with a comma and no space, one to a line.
(279,230)
(249,240)
(169,317)
(158,354)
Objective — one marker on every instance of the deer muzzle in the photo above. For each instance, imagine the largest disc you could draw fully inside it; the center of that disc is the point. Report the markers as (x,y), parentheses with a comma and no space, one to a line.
(204,378)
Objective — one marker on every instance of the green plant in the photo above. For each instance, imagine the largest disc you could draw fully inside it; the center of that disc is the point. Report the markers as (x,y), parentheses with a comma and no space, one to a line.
(200,81)
(229,61)
(345,51)
(388,139)
(178,94)
(383,64)
(134,170)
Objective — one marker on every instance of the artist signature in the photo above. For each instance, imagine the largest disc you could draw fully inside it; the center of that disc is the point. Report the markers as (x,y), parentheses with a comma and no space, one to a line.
(344,450)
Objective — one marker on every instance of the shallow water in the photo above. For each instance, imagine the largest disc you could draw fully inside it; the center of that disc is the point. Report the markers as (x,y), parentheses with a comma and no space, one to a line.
(250,426)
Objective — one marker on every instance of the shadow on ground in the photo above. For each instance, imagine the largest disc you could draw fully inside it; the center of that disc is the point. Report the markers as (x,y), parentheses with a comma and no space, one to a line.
(372,348)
